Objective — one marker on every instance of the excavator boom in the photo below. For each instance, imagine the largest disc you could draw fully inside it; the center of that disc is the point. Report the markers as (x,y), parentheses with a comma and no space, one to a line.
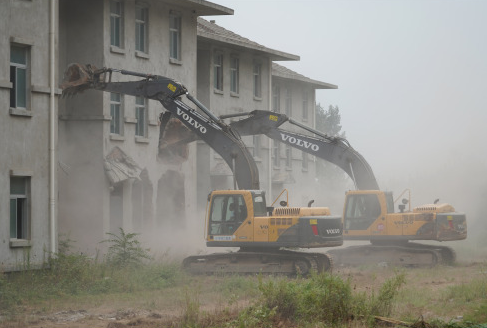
(334,150)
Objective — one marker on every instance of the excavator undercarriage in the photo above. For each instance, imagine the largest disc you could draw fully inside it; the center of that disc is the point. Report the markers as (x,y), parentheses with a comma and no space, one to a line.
(253,261)
(406,254)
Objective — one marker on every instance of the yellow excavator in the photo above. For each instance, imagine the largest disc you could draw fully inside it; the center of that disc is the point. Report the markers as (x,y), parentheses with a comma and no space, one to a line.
(235,218)
(369,213)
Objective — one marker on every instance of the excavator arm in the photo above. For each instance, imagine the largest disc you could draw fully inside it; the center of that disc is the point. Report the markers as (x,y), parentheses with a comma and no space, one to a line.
(332,149)
(218,135)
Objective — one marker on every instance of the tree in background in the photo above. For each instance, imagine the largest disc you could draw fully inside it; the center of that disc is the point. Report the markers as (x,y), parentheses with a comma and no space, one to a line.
(332,181)
(329,121)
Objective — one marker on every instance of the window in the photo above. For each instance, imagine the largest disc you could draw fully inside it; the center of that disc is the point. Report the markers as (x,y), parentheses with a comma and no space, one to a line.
(175,36)
(276,153)
(116,113)
(116,23)
(234,75)
(276,98)
(19,76)
(227,213)
(257,80)
(256,150)
(218,72)
(305,161)
(289,103)
(19,207)
(141,116)
(289,157)
(305,105)
(141,22)
(361,211)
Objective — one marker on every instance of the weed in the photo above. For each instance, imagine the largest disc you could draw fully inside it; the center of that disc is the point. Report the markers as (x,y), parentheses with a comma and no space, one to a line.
(382,304)
(125,249)
(191,307)
(468,292)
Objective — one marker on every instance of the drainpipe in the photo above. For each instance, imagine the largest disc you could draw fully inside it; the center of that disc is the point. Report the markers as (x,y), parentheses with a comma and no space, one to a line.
(269,167)
(52,130)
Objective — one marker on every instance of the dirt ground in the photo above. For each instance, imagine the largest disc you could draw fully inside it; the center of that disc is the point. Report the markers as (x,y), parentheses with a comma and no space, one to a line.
(127,313)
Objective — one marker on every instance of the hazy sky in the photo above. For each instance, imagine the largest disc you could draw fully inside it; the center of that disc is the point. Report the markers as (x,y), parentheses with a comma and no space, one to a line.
(411,76)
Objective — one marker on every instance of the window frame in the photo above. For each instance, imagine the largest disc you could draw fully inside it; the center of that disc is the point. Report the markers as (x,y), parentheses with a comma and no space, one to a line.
(257,150)
(175,35)
(257,80)
(218,71)
(116,121)
(16,67)
(117,22)
(276,98)
(305,162)
(289,102)
(141,126)
(142,25)
(25,233)
(234,75)
(276,153)
(289,157)
(305,105)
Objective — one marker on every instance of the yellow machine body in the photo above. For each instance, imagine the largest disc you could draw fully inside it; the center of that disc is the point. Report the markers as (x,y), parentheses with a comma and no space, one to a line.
(369,215)
(239,218)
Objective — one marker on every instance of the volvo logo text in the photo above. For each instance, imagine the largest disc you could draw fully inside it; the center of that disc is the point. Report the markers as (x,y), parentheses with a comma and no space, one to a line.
(191,120)
(332,231)
(299,142)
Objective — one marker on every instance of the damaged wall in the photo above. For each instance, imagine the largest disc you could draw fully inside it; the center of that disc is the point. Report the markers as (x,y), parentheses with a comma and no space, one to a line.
(93,202)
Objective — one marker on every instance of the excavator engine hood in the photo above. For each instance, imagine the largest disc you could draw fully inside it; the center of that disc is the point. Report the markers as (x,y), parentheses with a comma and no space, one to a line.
(434,208)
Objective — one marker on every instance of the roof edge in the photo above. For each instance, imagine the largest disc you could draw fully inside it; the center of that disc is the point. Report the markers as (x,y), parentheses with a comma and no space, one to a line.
(207,8)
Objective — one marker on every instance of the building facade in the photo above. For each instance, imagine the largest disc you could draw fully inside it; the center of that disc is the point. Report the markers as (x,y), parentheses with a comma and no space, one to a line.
(26,94)
(108,142)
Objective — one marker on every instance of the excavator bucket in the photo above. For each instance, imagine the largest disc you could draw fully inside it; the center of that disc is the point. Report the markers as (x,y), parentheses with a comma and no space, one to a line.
(174,138)
(77,78)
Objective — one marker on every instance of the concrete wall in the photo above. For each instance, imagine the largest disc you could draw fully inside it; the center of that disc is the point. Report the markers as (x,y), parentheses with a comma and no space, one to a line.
(25,133)
(85,126)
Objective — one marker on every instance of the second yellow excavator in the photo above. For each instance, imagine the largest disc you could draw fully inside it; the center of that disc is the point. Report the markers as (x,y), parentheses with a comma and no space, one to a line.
(369,213)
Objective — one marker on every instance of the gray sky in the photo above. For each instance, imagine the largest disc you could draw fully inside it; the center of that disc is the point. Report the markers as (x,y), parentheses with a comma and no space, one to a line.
(411,76)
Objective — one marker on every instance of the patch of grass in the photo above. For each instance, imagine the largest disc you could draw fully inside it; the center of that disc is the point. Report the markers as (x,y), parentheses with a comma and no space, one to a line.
(477,314)
(472,291)
(69,274)
(320,299)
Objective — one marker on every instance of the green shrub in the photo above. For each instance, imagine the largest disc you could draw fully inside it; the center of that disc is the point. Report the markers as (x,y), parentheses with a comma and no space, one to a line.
(125,249)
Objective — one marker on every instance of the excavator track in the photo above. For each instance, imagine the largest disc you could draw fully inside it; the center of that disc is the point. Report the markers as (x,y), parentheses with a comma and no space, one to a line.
(407,255)
(447,254)
(283,262)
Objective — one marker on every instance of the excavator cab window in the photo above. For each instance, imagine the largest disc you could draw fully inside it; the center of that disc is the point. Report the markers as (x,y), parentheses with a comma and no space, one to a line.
(260,208)
(361,211)
(227,213)
(389,201)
